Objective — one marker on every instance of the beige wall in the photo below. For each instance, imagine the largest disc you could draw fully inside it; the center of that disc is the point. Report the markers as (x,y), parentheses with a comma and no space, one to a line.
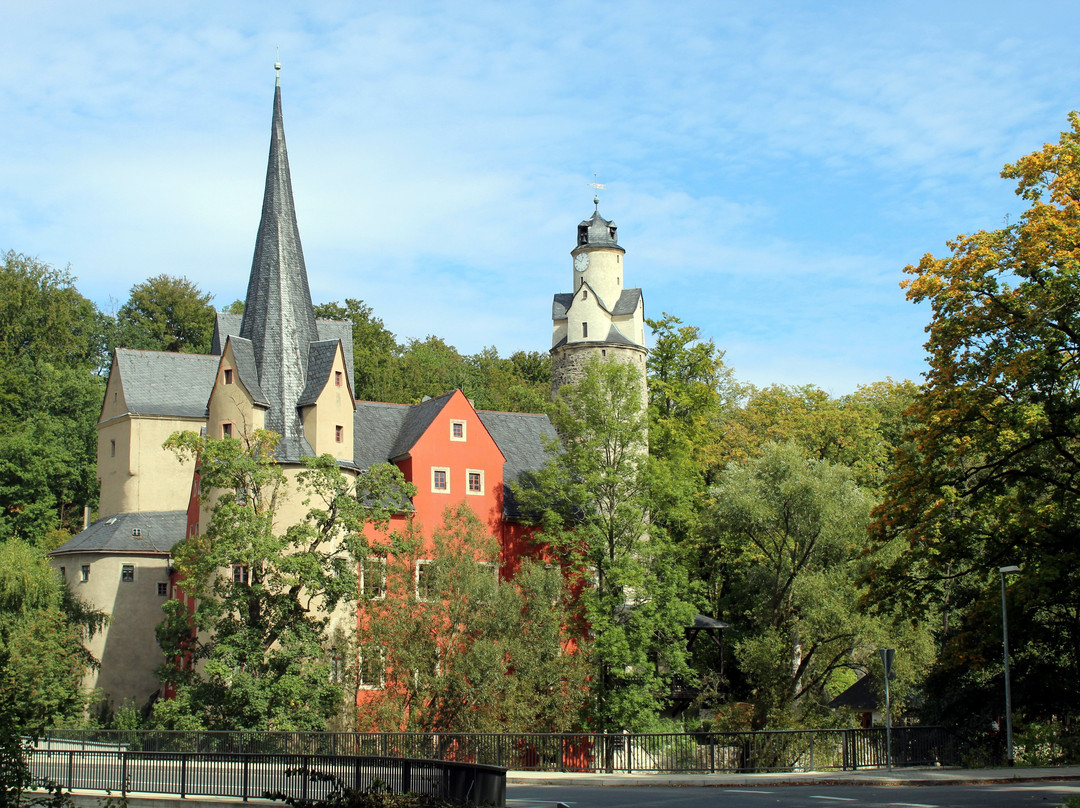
(136,473)
(232,403)
(333,408)
(127,648)
(604,273)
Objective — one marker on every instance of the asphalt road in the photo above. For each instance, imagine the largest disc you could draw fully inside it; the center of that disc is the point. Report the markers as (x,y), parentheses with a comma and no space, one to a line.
(1000,795)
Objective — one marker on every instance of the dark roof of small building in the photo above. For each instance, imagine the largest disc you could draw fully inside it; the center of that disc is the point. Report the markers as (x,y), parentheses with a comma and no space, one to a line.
(164,383)
(860,696)
(226,325)
(599,232)
(158,531)
(376,427)
(629,300)
(561,304)
(417,420)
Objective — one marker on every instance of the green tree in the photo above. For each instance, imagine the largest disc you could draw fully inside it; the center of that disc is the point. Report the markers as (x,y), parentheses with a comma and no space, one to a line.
(593,502)
(42,631)
(790,536)
(463,651)
(259,655)
(989,478)
(165,313)
(51,349)
(375,350)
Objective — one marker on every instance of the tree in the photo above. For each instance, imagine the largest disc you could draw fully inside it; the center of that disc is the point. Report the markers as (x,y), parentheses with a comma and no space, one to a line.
(42,630)
(266,592)
(593,502)
(51,351)
(165,313)
(462,651)
(990,476)
(375,349)
(790,531)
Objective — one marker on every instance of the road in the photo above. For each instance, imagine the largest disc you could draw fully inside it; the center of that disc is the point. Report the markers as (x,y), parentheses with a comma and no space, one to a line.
(999,795)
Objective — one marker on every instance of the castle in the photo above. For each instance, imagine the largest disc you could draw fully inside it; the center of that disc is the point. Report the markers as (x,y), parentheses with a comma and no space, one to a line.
(278,367)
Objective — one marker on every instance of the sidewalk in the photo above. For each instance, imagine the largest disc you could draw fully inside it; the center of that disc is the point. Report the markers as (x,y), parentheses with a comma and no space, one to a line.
(864,777)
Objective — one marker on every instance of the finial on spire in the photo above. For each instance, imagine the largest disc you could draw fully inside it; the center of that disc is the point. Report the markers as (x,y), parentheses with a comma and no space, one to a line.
(596,197)
(277,66)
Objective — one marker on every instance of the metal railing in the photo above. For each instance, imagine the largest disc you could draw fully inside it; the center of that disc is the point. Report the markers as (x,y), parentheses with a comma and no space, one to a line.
(782,750)
(249,774)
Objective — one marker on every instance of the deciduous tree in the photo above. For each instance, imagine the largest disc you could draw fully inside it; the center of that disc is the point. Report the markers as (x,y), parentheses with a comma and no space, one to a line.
(165,313)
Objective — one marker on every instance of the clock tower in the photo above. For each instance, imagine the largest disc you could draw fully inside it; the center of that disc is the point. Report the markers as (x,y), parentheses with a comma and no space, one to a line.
(601,317)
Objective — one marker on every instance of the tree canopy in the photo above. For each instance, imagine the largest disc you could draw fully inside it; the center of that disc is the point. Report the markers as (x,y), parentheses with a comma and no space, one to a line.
(165,313)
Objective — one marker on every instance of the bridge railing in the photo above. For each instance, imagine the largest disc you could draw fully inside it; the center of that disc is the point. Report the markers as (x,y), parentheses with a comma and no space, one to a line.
(783,750)
(242,775)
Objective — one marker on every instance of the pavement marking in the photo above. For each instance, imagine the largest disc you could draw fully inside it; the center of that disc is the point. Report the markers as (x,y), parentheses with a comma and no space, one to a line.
(746,791)
(913,805)
(837,799)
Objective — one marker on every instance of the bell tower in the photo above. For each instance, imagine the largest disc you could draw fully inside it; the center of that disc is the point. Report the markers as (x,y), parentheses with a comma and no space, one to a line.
(601,317)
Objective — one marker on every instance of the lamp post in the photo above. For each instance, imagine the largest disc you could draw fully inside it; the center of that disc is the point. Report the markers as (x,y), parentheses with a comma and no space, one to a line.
(1009,759)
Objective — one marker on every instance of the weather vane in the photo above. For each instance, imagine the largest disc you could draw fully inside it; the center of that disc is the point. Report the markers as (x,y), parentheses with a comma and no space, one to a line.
(599,187)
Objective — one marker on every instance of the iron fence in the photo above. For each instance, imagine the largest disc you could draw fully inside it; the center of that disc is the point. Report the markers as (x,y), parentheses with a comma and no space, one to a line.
(246,774)
(782,750)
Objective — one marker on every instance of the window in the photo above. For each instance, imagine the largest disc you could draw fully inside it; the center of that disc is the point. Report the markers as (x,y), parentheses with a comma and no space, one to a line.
(162,589)
(339,433)
(240,574)
(136,532)
(228,375)
(337,670)
(584,294)
(112,448)
(425,586)
(63,573)
(127,573)
(584,329)
(475,479)
(440,480)
(373,578)
(226,430)
(339,378)
(457,430)
(84,573)
(372,668)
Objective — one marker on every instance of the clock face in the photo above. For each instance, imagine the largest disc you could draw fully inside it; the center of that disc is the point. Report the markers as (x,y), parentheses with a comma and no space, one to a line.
(581,262)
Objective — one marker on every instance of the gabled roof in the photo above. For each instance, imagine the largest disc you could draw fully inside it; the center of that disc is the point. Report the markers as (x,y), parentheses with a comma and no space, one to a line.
(226,325)
(376,428)
(596,231)
(416,423)
(244,354)
(158,532)
(164,383)
(861,696)
(614,335)
(320,362)
(523,438)
(629,300)
(339,330)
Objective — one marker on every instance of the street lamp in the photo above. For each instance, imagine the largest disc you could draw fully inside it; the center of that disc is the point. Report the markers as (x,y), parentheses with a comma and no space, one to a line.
(1009,759)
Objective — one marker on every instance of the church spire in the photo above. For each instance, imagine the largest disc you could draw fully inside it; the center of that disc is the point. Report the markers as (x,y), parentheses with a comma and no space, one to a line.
(278,315)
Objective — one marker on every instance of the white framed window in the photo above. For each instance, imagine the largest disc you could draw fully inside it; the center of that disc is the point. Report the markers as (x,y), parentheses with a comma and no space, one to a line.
(337,670)
(440,480)
(424,585)
(84,573)
(127,573)
(474,482)
(241,574)
(372,668)
(458,430)
(373,577)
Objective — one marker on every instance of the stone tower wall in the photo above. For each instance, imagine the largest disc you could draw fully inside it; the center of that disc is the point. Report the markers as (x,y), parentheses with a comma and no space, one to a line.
(568,363)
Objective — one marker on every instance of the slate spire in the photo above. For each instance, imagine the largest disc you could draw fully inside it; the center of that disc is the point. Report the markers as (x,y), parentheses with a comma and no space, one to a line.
(278,315)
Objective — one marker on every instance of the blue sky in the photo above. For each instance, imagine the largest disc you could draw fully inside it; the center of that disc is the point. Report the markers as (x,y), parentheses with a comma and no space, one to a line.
(772,167)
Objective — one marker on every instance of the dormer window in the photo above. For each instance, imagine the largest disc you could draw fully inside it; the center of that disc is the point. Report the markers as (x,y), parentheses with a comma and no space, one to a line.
(228,375)
(611,232)
(583,234)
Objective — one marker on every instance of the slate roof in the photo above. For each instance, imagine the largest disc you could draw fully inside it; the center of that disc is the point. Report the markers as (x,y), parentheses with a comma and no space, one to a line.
(244,353)
(596,231)
(339,330)
(522,438)
(375,429)
(320,361)
(164,383)
(561,304)
(417,420)
(158,532)
(628,302)
(225,326)
(278,315)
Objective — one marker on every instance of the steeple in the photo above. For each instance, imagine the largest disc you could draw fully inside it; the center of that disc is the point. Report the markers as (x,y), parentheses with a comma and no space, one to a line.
(278,315)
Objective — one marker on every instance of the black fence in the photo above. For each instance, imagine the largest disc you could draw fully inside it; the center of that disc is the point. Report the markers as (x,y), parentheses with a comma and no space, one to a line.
(247,774)
(785,750)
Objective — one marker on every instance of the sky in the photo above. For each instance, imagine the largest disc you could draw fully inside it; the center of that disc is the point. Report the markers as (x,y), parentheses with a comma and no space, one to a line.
(772,166)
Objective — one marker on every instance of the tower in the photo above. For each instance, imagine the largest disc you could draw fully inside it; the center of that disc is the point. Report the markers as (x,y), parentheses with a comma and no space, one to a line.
(600,318)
